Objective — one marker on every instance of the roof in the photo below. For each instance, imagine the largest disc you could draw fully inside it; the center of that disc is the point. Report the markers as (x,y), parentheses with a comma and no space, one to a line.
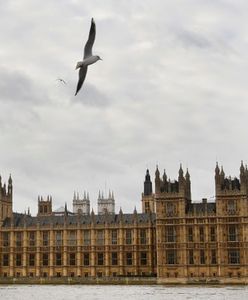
(29,221)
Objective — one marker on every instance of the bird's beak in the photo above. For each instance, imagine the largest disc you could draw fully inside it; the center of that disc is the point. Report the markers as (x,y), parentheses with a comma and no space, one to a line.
(100,58)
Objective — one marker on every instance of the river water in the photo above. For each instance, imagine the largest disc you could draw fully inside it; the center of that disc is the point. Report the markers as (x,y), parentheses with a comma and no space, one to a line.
(120,292)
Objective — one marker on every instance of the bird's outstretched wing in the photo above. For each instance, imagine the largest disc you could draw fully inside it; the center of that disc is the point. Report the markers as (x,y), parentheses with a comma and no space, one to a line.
(61,80)
(82,74)
(92,34)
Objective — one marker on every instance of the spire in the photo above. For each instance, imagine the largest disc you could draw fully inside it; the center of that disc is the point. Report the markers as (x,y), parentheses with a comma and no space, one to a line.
(180,172)
(242,169)
(99,195)
(217,169)
(10,180)
(74,196)
(157,180)
(109,195)
(187,176)
(164,177)
(84,195)
(157,174)
(88,197)
(222,172)
(147,184)
(113,195)
(77,195)
(147,178)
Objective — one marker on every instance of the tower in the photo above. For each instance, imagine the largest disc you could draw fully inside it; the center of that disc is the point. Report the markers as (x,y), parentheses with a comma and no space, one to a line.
(106,204)
(81,206)
(6,197)
(172,200)
(231,209)
(148,203)
(44,206)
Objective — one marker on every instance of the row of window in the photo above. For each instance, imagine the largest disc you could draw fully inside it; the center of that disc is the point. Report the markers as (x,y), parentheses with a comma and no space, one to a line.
(233,257)
(72,238)
(100,259)
(171,234)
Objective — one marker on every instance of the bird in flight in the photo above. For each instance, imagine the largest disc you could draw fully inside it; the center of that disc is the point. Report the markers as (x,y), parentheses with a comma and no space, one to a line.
(61,80)
(89,59)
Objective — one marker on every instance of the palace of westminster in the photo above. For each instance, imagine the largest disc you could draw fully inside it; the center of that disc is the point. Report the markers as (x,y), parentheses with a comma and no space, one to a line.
(173,240)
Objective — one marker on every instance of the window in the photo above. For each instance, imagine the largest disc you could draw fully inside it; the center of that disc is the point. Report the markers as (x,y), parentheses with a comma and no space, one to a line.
(143,236)
(31,238)
(147,207)
(86,236)
(212,234)
(201,233)
(233,256)
(72,259)
(100,259)
(171,234)
(170,209)
(18,260)
(72,238)
(58,259)
(18,239)
(86,259)
(31,260)
(128,236)
(143,258)
(171,257)
(58,238)
(129,258)
(5,260)
(190,234)
(114,237)
(232,233)
(45,238)
(213,257)
(231,207)
(202,257)
(45,259)
(6,242)
(114,258)
(191,257)
(100,237)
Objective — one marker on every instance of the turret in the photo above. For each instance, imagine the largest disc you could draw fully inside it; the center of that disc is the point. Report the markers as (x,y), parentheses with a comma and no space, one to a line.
(148,203)
(147,184)
(10,187)
(6,195)
(157,181)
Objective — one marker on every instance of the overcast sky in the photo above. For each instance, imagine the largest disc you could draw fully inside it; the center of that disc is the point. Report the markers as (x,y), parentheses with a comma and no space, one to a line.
(171,89)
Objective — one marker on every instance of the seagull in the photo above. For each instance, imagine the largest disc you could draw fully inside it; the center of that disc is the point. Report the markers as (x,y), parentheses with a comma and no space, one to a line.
(89,59)
(61,80)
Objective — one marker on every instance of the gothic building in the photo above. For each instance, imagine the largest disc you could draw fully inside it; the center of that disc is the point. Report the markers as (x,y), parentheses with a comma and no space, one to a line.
(174,239)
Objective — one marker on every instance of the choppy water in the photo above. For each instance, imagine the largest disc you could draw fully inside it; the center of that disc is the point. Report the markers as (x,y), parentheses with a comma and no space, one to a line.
(110,292)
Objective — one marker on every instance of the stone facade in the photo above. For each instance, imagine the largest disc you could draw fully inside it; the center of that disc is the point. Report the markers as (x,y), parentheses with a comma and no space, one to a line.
(175,239)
